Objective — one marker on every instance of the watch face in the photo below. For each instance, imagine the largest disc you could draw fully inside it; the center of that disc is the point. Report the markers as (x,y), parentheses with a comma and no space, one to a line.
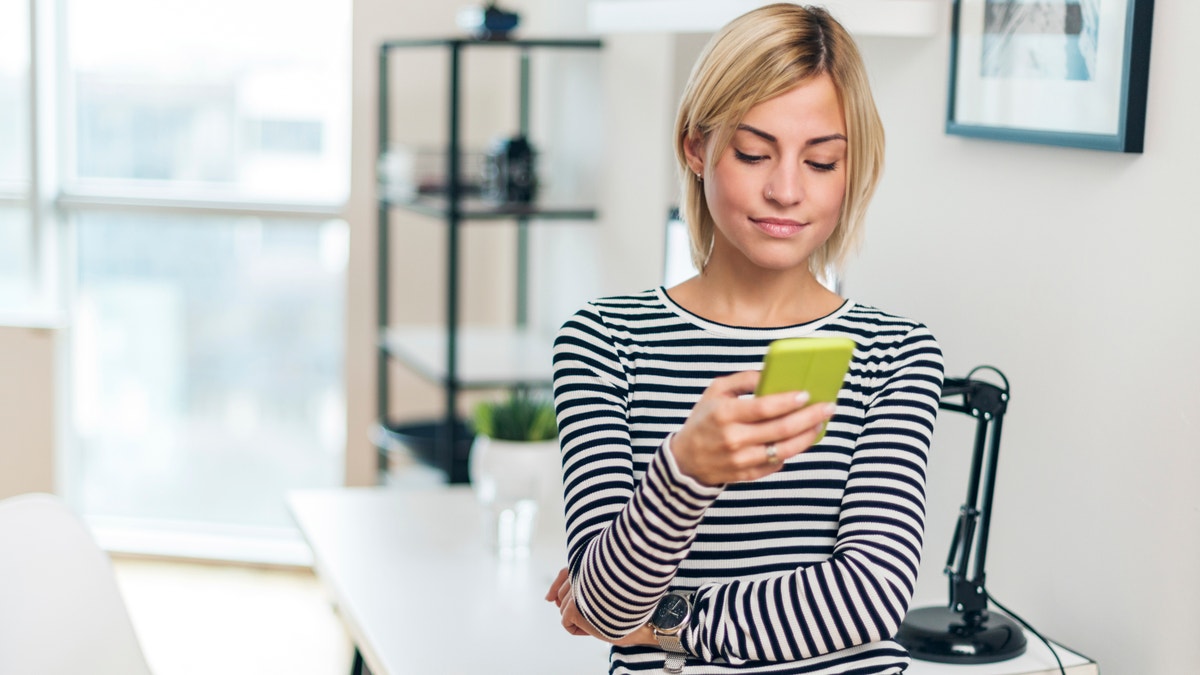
(671,612)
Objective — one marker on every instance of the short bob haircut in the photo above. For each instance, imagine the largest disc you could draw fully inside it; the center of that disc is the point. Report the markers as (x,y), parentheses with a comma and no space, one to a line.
(756,57)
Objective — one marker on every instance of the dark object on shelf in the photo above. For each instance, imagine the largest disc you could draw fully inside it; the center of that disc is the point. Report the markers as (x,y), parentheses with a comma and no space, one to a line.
(965,631)
(424,440)
(488,22)
(510,175)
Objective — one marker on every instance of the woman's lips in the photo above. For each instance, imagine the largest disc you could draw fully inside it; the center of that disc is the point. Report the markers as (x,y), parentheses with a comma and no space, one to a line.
(778,227)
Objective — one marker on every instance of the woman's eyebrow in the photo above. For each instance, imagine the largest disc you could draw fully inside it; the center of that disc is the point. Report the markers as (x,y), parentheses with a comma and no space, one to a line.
(824,139)
(758,132)
(771,137)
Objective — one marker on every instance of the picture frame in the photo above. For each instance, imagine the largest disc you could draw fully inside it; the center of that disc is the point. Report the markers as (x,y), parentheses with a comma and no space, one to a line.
(1069,73)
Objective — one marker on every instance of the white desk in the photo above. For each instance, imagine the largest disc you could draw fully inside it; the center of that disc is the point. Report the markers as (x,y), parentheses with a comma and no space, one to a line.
(420,593)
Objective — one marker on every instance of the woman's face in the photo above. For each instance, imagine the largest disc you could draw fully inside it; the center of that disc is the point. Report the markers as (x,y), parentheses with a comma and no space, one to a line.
(776,191)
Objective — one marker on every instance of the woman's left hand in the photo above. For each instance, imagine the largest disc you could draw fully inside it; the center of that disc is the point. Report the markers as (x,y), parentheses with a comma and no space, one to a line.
(575,623)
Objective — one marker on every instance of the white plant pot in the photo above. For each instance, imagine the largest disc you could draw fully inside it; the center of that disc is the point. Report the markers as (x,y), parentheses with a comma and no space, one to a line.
(519,485)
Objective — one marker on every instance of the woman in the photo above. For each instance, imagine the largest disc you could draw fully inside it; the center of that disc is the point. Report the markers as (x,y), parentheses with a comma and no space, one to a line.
(706,531)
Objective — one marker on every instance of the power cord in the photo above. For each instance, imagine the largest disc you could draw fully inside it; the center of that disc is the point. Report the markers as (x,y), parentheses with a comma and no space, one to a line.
(994,601)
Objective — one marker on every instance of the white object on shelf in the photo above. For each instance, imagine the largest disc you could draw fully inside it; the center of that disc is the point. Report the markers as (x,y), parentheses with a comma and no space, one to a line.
(899,18)
(487,357)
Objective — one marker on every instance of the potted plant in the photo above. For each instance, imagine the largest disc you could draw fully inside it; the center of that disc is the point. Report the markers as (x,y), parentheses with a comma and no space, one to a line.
(515,467)
(522,418)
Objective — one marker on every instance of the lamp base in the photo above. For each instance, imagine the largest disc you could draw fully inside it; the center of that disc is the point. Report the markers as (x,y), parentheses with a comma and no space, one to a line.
(939,634)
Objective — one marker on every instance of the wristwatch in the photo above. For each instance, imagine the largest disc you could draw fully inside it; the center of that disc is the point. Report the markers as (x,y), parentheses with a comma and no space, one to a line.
(672,614)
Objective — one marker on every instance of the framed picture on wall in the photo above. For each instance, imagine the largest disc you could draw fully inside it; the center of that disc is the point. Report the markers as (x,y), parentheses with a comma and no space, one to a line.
(1057,72)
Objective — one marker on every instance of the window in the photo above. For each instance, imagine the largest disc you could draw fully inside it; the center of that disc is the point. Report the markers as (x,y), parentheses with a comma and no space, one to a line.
(200,156)
(16,241)
(232,98)
(16,257)
(14,94)
(206,369)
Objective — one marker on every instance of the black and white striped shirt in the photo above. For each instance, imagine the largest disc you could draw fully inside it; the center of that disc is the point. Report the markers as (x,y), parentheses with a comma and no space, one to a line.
(808,570)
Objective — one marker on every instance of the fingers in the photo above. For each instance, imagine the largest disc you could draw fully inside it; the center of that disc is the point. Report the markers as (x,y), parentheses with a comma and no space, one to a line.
(785,437)
(732,386)
(554,594)
(754,423)
(560,594)
(736,406)
(778,441)
(805,423)
(574,623)
(726,437)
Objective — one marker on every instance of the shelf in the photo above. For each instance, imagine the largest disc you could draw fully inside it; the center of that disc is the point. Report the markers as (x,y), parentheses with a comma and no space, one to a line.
(482,209)
(483,358)
(487,357)
(897,18)
(541,43)
(417,446)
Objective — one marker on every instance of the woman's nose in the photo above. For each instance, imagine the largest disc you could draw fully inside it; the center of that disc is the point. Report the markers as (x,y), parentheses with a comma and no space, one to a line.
(784,186)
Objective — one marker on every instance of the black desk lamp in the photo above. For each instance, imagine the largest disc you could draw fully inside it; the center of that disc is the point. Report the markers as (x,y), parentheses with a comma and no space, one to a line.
(965,631)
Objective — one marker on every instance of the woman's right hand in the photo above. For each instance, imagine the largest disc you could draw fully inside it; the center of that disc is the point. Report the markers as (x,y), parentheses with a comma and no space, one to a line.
(727,438)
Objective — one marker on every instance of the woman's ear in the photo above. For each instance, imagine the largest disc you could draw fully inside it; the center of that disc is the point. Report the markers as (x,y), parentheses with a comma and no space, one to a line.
(693,150)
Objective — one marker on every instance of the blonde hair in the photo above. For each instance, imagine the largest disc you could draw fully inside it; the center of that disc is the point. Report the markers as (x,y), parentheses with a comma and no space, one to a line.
(756,57)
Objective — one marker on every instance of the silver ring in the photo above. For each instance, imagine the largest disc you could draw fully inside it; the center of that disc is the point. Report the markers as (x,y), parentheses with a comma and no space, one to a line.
(770,193)
(772,454)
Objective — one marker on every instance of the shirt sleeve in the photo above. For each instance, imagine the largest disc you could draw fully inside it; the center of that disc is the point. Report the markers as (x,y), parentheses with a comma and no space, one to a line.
(861,593)
(624,540)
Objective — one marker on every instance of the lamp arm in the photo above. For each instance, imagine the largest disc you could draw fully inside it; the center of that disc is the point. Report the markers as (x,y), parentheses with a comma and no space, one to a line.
(989,492)
(987,403)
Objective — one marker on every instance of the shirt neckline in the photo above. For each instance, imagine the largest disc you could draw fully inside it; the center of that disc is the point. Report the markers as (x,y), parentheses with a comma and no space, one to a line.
(793,330)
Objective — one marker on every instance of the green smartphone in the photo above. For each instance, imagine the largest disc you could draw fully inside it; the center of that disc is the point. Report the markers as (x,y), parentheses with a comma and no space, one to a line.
(815,365)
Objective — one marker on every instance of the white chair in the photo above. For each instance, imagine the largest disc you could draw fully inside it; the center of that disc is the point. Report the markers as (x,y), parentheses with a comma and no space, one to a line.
(61,612)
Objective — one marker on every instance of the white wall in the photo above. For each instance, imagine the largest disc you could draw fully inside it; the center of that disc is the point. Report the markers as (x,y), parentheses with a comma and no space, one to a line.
(1073,272)
(1070,270)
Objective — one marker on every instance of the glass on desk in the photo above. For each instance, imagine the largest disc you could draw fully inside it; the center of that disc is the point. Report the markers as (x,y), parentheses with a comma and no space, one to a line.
(512,481)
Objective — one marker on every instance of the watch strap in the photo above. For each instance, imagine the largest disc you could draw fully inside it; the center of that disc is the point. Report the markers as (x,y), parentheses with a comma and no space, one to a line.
(670,643)
(674,663)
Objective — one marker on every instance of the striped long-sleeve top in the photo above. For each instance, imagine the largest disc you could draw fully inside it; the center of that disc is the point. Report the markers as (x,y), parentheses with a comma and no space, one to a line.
(808,570)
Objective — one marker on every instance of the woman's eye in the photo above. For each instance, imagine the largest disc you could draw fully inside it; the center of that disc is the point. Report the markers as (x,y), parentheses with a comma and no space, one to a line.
(749,159)
(823,167)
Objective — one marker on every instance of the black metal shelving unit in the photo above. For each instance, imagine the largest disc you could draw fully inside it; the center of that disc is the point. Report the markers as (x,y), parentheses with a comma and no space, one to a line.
(515,358)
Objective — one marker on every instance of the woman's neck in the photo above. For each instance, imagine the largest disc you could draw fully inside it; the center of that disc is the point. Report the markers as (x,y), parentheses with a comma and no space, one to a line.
(760,299)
